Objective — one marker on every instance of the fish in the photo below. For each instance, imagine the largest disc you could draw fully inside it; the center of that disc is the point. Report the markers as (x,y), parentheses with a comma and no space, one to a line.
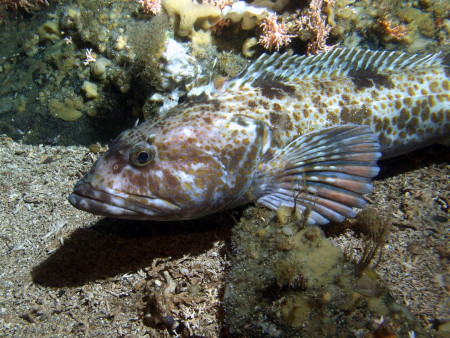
(304,132)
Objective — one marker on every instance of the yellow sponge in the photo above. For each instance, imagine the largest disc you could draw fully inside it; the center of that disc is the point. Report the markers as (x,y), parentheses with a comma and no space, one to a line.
(188,15)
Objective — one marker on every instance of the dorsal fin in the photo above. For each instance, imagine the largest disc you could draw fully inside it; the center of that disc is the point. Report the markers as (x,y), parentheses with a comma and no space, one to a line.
(336,63)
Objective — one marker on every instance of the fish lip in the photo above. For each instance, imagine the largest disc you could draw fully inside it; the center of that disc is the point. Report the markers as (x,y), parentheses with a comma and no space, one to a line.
(117,204)
(98,207)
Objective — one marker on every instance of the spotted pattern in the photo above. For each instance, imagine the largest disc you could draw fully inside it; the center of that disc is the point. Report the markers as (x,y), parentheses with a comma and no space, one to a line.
(407,109)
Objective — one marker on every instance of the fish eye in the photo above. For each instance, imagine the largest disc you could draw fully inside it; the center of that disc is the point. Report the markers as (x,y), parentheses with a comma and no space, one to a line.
(142,155)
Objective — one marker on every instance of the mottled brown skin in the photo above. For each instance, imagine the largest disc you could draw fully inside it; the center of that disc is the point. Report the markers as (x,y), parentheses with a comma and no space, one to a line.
(217,151)
(407,110)
(199,166)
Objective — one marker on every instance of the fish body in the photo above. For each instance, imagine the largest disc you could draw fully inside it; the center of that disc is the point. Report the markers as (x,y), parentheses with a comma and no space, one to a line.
(296,131)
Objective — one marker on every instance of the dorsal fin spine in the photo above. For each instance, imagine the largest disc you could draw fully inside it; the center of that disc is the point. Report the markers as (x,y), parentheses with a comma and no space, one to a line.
(338,62)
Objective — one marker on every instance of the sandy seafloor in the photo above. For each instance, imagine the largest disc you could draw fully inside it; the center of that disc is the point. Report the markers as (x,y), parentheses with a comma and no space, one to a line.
(65,272)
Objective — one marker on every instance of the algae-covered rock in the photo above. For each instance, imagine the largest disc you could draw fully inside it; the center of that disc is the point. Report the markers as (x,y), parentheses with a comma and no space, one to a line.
(67,110)
(50,31)
(313,262)
(290,280)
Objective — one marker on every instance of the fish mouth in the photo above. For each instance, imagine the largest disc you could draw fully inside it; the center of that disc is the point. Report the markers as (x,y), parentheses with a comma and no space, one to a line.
(118,204)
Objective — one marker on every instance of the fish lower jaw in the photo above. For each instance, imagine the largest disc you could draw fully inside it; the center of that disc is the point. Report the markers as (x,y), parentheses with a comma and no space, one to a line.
(89,199)
(100,208)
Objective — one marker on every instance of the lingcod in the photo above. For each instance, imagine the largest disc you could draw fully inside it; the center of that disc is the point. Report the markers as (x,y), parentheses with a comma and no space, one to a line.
(296,131)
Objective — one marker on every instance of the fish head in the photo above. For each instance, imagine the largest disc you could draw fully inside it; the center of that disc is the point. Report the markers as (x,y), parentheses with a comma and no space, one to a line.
(169,171)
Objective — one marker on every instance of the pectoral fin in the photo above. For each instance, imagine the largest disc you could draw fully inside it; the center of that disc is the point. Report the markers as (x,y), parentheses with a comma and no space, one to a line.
(326,171)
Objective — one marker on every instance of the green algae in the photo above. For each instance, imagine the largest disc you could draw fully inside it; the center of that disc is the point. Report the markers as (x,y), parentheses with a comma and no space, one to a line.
(148,40)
